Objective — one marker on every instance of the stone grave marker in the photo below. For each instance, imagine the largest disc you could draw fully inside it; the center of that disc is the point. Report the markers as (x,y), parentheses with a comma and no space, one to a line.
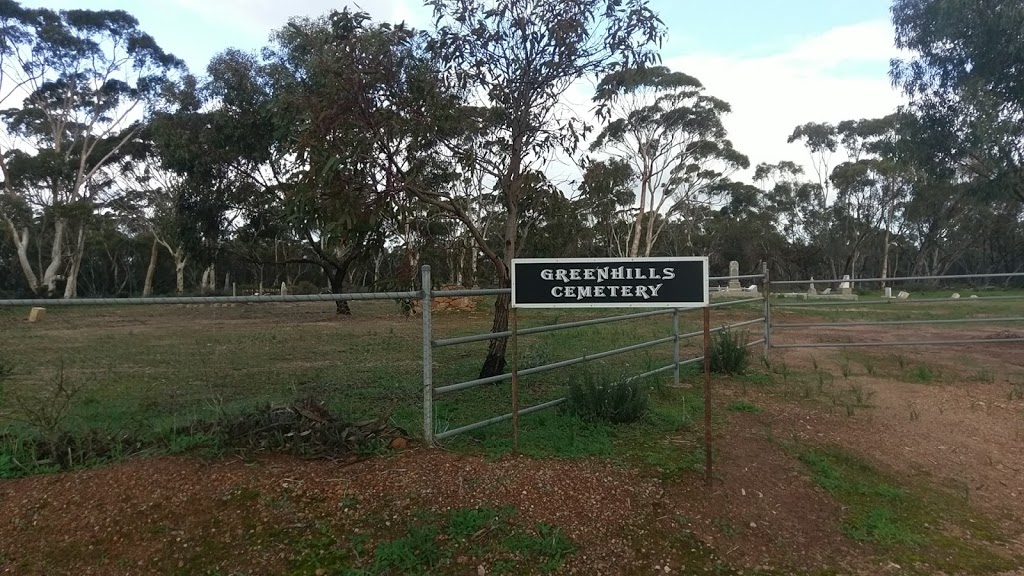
(734,270)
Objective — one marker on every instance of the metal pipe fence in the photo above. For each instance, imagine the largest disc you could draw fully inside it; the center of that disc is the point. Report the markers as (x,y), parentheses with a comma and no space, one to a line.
(902,279)
(431,391)
(903,303)
(676,338)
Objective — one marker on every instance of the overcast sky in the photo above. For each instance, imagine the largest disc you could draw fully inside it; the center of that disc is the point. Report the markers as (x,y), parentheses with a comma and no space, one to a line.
(778,62)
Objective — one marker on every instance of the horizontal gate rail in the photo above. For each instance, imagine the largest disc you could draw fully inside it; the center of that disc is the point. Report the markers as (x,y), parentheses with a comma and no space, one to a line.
(548,328)
(497,419)
(898,322)
(735,302)
(586,358)
(891,301)
(552,366)
(901,278)
(917,343)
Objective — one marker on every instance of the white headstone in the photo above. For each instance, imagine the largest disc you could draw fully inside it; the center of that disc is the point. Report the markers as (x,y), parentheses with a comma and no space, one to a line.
(811,290)
(826,291)
(284,289)
(955,295)
(845,288)
(734,270)
(974,295)
(888,292)
(903,295)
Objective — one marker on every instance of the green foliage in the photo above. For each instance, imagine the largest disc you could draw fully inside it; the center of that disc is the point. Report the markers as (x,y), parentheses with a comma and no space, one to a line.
(596,397)
(901,520)
(968,103)
(922,373)
(742,406)
(729,352)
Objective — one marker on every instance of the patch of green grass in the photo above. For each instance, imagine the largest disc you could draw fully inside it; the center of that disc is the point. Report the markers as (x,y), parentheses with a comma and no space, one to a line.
(908,524)
(742,406)
(434,543)
(923,374)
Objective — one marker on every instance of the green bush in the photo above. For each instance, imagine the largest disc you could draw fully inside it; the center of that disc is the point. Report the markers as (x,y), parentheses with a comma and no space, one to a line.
(594,397)
(729,352)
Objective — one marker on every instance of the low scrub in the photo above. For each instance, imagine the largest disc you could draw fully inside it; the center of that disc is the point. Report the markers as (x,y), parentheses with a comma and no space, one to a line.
(594,397)
(729,352)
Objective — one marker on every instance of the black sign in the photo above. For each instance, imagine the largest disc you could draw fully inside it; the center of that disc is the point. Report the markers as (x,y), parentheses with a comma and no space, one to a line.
(610,282)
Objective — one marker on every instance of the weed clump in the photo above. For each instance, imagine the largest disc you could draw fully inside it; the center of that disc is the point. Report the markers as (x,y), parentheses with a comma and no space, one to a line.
(729,352)
(593,397)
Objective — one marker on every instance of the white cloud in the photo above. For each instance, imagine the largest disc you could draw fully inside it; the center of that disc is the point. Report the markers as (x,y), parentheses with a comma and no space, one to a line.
(838,75)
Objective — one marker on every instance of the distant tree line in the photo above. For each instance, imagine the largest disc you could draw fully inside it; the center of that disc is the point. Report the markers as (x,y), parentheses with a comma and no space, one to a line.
(348,152)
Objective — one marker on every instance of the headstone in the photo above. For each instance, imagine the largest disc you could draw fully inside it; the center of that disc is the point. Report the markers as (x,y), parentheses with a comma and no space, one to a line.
(955,295)
(752,288)
(826,291)
(284,289)
(845,287)
(811,291)
(888,292)
(903,295)
(36,314)
(734,270)
(974,295)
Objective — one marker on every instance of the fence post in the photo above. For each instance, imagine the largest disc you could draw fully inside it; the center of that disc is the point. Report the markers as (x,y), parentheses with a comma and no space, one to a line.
(428,358)
(767,309)
(675,355)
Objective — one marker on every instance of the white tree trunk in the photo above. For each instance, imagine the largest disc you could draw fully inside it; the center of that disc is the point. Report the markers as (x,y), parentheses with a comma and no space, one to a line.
(179,271)
(885,258)
(71,281)
(638,227)
(21,244)
(209,281)
(471,254)
(154,253)
(56,253)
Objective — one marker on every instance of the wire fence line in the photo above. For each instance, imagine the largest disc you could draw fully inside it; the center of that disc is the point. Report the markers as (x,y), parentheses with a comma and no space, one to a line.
(835,304)
(266,368)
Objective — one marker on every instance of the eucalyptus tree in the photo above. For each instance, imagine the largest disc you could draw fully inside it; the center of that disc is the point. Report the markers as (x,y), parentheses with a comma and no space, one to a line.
(671,132)
(822,141)
(513,61)
(85,80)
(966,85)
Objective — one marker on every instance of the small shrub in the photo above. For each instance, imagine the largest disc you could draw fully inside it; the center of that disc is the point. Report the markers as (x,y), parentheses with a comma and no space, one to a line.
(598,398)
(869,366)
(729,353)
(743,406)
(923,374)
(984,375)
(844,368)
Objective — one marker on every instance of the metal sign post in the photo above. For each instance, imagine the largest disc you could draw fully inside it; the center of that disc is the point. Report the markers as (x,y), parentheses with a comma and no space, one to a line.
(515,381)
(707,396)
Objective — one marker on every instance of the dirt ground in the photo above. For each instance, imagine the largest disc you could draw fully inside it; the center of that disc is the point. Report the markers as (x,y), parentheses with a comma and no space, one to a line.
(959,425)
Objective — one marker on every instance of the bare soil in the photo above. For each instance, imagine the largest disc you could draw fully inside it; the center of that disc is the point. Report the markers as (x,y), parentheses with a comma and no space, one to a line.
(963,428)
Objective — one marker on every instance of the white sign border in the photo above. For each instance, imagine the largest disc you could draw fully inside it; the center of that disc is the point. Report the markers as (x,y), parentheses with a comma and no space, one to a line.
(670,305)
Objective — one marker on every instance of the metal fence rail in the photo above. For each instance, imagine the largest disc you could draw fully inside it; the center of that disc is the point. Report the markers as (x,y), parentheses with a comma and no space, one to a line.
(901,278)
(431,392)
(818,303)
(351,296)
(889,302)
